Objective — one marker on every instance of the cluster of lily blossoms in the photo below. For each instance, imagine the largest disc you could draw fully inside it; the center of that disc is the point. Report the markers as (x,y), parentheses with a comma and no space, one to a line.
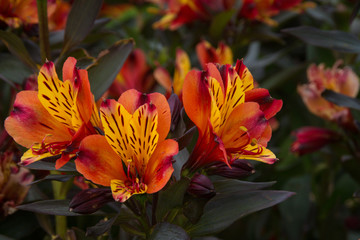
(339,80)
(177,13)
(122,144)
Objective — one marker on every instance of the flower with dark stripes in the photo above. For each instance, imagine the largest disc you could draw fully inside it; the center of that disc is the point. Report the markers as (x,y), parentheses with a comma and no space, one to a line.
(133,157)
(53,120)
(230,114)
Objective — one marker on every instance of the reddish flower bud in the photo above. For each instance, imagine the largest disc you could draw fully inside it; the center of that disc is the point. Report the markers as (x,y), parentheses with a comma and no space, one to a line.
(240,168)
(201,186)
(311,139)
(90,200)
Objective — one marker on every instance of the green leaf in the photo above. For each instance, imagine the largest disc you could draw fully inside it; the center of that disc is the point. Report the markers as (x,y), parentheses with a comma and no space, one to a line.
(220,21)
(170,198)
(231,204)
(341,99)
(15,75)
(336,40)
(54,177)
(17,47)
(103,72)
(51,207)
(355,11)
(100,228)
(234,185)
(165,231)
(43,165)
(80,21)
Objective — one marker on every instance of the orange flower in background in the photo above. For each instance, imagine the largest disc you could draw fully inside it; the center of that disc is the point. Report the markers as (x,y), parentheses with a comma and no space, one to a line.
(207,53)
(16,13)
(57,20)
(180,12)
(182,67)
(54,119)
(133,157)
(339,80)
(14,184)
(263,10)
(134,74)
(231,116)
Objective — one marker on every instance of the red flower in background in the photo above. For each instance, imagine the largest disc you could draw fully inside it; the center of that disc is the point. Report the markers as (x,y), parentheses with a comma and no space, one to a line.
(311,139)
(134,74)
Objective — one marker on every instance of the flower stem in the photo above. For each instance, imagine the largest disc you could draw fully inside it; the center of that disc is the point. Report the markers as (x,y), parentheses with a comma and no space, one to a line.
(43,30)
(60,190)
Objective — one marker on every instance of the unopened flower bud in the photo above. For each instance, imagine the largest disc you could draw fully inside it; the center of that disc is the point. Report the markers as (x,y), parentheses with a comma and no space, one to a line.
(239,169)
(201,186)
(175,109)
(90,200)
(311,139)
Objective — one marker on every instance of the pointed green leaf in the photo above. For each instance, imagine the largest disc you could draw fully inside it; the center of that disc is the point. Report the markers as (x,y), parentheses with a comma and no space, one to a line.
(165,231)
(51,207)
(170,198)
(101,227)
(43,165)
(341,99)
(234,185)
(224,209)
(80,21)
(17,48)
(103,72)
(336,40)
(54,177)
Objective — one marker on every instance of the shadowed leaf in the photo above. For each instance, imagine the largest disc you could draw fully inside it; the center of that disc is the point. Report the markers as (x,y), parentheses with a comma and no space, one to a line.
(103,72)
(164,231)
(80,21)
(341,99)
(336,40)
(17,47)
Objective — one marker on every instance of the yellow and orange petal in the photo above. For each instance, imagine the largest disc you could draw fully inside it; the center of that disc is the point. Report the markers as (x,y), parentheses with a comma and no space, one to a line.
(29,122)
(98,162)
(133,99)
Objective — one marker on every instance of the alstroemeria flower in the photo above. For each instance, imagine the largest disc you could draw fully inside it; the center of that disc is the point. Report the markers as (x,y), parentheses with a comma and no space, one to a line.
(263,10)
(208,54)
(54,119)
(133,157)
(14,184)
(231,116)
(180,12)
(182,67)
(134,74)
(311,139)
(339,80)
(15,13)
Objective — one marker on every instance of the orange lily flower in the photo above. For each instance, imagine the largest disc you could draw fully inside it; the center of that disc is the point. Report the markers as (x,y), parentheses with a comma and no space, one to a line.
(343,81)
(182,67)
(230,114)
(54,119)
(180,12)
(134,74)
(207,53)
(263,10)
(15,13)
(133,157)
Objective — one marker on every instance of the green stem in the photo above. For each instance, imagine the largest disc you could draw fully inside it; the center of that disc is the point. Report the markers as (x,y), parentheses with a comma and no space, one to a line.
(60,190)
(43,30)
